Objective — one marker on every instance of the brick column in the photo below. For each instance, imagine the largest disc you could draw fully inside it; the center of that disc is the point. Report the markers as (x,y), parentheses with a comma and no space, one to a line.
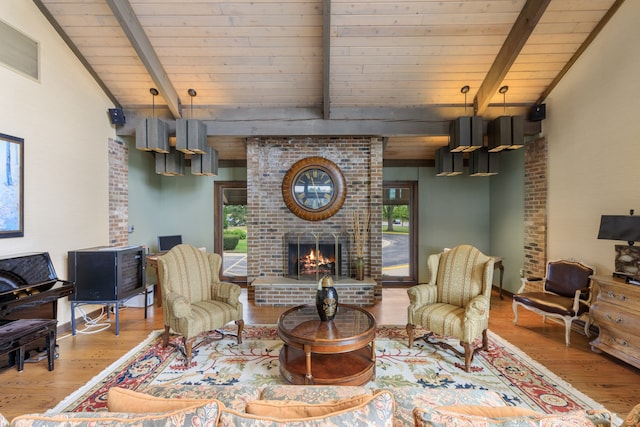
(535,208)
(118,193)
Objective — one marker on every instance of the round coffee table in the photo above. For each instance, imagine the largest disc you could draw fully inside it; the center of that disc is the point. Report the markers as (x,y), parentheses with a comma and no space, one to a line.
(337,352)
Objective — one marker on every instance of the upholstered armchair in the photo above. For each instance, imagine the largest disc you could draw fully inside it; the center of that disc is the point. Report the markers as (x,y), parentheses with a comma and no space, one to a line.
(566,294)
(455,302)
(193,298)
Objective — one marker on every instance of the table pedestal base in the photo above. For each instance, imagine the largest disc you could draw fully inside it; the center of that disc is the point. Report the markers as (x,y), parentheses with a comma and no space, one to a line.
(351,368)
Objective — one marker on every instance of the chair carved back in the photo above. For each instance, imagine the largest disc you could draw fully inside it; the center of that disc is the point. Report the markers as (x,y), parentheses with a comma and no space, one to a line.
(565,277)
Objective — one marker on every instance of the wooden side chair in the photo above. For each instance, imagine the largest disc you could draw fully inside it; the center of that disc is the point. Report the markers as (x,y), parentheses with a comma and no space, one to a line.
(566,294)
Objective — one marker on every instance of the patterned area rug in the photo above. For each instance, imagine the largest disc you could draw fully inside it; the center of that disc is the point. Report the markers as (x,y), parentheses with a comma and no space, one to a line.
(503,368)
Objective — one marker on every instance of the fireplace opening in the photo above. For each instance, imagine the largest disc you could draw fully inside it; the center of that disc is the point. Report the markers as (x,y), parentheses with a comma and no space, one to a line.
(312,256)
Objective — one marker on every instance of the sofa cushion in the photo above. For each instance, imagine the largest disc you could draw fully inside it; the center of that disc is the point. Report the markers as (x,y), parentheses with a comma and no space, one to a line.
(489,412)
(124,400)
(376,411)
(408,398)
(293,409)
(437,417)
(315,394)
(233,397)
(203,414)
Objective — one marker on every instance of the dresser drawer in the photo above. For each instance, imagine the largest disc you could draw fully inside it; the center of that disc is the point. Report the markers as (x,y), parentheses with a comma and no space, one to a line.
(616,341)
(612,318)
(622,296)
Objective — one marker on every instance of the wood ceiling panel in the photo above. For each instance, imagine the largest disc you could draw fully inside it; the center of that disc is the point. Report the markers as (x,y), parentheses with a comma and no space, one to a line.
(253,59)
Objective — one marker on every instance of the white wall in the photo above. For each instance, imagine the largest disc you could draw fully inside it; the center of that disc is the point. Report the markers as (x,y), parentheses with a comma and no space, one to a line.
(65,125)
(594,143)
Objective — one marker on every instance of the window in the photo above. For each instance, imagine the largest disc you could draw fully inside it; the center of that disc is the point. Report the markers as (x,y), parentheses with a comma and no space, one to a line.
(230,229)
(399,233)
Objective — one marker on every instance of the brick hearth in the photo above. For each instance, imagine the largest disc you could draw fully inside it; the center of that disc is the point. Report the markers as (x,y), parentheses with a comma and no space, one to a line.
(282,291)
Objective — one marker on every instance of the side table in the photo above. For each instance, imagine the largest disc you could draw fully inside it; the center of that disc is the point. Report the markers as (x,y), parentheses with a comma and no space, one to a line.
(336,352)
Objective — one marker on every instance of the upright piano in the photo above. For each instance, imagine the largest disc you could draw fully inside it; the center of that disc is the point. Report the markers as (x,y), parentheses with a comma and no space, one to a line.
(30,288)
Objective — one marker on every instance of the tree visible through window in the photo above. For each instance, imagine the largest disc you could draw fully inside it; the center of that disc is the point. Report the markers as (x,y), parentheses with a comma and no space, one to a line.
(398,233)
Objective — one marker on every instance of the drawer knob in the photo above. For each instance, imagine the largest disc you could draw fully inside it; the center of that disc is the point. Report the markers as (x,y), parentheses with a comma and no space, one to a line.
(623,297)
(621,342)
(616,320)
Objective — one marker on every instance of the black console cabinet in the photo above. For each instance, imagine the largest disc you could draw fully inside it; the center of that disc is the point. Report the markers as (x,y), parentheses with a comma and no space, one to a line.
(106,275)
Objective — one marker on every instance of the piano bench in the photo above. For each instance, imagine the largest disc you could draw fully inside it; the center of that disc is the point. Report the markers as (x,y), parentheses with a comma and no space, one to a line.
(17,334)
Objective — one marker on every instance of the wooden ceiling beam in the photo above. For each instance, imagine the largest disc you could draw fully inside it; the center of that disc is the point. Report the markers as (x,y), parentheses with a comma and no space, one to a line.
(131,26)
(309,122)
(526,22)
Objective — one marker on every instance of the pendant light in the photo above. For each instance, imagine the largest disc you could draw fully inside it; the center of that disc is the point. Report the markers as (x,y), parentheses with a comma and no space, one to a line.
(506,132)
(465,134)
(191,134)
(170,164)
(482,162)
(206,163)
(152,134)
(448,163)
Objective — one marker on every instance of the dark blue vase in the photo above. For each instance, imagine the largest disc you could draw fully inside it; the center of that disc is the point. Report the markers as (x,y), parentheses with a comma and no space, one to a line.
(326,299)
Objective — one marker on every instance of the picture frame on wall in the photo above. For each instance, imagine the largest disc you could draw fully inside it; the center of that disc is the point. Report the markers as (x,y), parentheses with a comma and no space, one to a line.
(11,186)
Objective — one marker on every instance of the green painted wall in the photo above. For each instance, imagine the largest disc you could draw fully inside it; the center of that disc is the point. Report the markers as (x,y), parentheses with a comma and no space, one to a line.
(486,212)
(507,217)
(160,205)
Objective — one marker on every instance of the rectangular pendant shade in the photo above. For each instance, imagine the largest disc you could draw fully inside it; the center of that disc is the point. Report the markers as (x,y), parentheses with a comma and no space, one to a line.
(152,134)
(170,164)
(506,133)
(483,163)
(191,136)
(205,164)
(448,163)
(466,134)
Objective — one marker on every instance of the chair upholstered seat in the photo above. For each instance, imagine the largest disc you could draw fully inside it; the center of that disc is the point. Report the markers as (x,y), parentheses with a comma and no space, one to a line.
(456,301)
(551,303)
(195,301)
(566,294)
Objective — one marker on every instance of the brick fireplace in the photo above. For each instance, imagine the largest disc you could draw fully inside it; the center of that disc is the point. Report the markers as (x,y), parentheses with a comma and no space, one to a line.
(269,220)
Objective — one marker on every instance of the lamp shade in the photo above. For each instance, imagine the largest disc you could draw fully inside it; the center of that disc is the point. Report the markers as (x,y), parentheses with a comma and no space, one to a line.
(152,134)
(191,136)
(205,164)
(506,133)
(466,134)
(448,163)
(170,164)
(620,227)
(483,163)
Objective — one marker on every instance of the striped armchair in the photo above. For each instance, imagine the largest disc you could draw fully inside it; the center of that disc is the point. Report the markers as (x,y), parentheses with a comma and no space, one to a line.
(455,302)
(193,298)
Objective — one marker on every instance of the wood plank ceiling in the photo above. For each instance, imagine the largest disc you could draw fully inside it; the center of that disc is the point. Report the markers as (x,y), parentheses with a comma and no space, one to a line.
(327,67)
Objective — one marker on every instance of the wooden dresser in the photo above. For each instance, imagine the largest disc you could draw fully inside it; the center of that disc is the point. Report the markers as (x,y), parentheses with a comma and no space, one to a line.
(616,312)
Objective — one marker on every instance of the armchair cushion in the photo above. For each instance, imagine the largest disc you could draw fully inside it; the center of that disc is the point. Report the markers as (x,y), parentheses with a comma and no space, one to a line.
(551,303)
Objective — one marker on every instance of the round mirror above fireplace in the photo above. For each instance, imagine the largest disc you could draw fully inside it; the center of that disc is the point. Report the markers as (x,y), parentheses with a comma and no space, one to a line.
(314,188)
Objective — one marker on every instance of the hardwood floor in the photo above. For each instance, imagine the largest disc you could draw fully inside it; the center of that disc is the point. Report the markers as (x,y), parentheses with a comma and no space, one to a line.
(606,380)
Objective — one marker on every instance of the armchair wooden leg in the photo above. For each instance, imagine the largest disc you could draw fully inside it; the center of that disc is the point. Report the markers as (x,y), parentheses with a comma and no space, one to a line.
(188,349)
(240,324)
(165,336)
(515,312)
(468,355)
(410,331)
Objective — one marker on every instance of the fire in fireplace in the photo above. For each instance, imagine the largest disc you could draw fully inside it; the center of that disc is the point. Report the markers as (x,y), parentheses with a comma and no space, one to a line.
(311,256)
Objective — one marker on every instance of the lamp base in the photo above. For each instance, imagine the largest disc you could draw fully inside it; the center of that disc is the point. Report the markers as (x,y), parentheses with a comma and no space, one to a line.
(627,262)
